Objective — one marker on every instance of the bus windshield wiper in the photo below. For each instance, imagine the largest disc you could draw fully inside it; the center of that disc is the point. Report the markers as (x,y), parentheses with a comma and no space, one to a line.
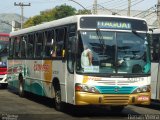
(136,33)
(101,40)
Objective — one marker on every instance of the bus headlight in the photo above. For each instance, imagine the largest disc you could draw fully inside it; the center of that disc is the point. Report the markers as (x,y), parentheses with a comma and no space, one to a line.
(138,90)
(142,89)
(93,90)
(85,88)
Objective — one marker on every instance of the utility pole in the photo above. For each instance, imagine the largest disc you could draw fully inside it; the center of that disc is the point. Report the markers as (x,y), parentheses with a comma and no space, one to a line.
(95,7)
(22,7)
(129,8)
(158,12)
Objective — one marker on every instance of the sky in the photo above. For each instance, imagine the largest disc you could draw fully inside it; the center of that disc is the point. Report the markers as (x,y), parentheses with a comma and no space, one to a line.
(41,5)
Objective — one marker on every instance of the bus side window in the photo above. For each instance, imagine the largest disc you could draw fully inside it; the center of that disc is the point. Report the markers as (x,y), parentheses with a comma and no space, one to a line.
(71,48)
(155,48)
(17,47)
(39,44)
(60,40)
(30,46)
(11,45)
(49,36)
(71,52)
(23,46)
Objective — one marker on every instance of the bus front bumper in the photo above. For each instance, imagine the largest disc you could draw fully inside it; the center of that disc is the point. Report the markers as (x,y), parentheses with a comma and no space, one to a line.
(84,98)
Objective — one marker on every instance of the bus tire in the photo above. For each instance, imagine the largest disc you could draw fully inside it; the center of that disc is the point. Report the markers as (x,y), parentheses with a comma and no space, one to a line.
(58,102)
(21,86)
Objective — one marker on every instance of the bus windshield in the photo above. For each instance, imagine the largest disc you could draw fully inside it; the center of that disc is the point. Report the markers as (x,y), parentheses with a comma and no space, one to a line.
(3,53)
(113,52)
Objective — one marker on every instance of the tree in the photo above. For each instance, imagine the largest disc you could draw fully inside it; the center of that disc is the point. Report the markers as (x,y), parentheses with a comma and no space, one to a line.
(28,23)
(48,15)
(64,11)
(51,14)
(33,21)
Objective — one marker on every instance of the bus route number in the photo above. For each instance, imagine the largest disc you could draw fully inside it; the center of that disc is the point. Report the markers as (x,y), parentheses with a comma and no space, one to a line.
(135,79)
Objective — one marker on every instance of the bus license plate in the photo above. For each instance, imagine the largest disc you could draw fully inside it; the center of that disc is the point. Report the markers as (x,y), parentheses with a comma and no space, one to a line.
(143,98)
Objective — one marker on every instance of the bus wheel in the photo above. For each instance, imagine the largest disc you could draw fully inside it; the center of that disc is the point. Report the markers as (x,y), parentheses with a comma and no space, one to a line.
(116,109)
(21,86)
(58,102)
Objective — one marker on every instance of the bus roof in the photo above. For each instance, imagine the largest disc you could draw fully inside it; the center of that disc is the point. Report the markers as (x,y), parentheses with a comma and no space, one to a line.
(63,21)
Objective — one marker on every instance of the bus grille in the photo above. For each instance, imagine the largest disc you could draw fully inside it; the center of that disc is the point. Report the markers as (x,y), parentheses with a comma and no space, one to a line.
(116,89)
(116,100)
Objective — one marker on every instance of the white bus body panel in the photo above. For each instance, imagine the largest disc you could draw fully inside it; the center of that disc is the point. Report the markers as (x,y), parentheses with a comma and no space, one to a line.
(154,74)
(155,81)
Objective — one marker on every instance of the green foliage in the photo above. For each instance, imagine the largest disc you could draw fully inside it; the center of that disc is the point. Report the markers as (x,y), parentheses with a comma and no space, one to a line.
(33,21)
(28,23)
(64,11)
(49,15)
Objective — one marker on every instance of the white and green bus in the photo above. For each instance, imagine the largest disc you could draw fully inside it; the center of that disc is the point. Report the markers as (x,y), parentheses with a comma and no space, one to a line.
(46,60)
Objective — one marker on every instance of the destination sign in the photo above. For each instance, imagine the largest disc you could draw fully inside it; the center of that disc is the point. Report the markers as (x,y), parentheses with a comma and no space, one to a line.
(113,25)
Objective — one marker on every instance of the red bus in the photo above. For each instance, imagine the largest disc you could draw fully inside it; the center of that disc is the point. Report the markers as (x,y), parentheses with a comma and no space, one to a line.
(4,42)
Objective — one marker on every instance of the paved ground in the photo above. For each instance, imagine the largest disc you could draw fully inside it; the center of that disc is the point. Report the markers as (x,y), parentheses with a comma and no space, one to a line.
(32,107)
